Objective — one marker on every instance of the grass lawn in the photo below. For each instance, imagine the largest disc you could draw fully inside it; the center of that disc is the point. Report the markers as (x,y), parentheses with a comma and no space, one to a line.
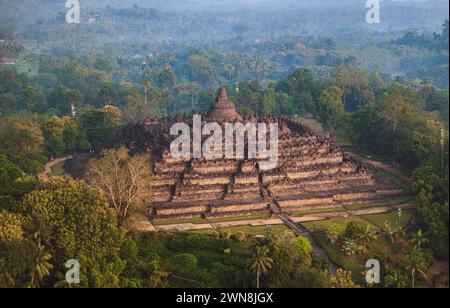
(356,207)
(317,211)
(196,221)
(323,225)
(392,178)
(400,200)
(391,217)
(380,246)
(203,231)
(199,221)
(380,203)
(248,230)
(356,264)
(57,170)
(240,218)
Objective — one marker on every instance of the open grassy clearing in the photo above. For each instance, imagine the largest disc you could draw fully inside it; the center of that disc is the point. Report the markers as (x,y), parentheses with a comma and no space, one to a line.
(323,225)
(362,206)
(57,170)
(392,178)
(393,218)
(317,211)
(240,218)
(248,230)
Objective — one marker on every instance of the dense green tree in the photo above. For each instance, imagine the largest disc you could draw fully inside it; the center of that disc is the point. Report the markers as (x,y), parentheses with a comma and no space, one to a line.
(8,104)
(330,109)
(63,99)
(302,87)
(73,221)
(184,263)
(20,134)
(11,227)
(100,125)
(33,99)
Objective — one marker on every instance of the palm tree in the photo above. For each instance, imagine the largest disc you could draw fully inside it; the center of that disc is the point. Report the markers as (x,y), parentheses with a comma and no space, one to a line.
(261,263)
(415,262)
(394,279)
(41,266)
(419,238)
(366,236)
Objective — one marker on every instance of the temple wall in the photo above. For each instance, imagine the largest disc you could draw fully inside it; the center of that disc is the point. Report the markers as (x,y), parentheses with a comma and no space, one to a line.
(183,210)
(305,202)
(239,207)
(354,196)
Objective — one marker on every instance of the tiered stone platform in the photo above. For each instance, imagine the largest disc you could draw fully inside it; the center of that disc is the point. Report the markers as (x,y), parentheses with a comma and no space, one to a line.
(312,172)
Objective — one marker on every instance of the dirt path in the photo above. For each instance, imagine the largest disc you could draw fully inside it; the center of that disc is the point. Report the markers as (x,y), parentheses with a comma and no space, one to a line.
(44,176)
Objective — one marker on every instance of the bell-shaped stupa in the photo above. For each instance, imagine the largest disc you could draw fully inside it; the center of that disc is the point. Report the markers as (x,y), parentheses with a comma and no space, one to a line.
(223,109)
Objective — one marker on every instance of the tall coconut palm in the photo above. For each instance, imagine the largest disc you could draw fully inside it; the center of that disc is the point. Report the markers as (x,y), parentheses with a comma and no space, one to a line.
(41,265)
(261,263)
(419,238)
(415,262)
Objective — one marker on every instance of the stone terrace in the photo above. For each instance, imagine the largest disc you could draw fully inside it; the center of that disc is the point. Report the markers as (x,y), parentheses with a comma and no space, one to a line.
(312,172)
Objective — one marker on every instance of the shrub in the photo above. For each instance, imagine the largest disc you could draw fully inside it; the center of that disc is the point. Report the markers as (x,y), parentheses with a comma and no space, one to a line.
(240,236)
(184,263)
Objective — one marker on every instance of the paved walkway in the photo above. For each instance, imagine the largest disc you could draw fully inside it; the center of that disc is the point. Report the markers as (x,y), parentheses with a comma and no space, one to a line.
(44,176)
(275,221)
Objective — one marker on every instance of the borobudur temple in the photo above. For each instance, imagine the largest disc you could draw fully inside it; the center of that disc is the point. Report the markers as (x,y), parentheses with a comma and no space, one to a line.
(312,172)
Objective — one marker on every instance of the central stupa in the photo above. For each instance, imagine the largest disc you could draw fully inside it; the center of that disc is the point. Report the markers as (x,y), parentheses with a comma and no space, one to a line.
(223,110)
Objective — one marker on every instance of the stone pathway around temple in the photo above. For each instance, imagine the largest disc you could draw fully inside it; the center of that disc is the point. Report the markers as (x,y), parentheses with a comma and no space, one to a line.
(277,221)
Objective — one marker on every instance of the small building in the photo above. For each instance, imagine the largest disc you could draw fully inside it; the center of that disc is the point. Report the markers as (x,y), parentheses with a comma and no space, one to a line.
(6,61)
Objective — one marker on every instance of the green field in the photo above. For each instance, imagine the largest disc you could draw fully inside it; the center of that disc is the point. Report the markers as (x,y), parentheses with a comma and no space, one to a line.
(195,221)
(323,225)
(199,221)
(248,230)
(392,217)
(317,211)
(356,207)
(240,218)
(57,170)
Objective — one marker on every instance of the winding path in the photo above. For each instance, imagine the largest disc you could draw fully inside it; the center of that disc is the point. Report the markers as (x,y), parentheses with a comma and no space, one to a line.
(44,176)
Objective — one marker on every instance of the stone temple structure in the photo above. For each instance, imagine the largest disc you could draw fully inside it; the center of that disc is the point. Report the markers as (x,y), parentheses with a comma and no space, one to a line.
(311,173)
